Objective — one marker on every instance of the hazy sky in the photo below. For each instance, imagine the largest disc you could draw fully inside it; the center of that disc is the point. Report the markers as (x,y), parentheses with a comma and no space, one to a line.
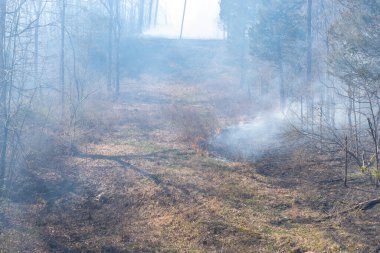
(201,21)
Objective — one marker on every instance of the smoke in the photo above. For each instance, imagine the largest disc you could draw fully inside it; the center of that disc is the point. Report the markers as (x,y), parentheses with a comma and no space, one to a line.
(201,20)
(250,140)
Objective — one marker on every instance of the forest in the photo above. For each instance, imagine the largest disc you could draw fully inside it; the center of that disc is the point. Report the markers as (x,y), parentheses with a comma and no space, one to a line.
(264,139)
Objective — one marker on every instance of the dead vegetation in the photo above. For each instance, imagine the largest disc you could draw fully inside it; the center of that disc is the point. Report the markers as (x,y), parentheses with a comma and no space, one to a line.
(194,125)
(140,187)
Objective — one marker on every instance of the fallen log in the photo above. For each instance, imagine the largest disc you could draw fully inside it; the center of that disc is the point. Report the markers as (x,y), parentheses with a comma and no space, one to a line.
(363,206)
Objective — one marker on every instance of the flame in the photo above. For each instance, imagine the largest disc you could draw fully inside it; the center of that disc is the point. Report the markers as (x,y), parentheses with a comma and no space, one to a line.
(198,145)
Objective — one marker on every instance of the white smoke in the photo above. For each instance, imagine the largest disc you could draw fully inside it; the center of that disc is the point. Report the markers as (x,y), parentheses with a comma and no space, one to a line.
(250,140)
(201,20)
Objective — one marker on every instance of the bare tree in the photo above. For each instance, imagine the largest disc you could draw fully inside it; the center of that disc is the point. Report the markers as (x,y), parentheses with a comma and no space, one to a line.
(310,99)
(62,9)
(3,96)
(141,16)
(117,35)
(183,18)
(115,19)
(37,12)
(156,12)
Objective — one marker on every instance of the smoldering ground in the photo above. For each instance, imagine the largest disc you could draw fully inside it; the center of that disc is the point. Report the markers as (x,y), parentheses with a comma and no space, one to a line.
(250,140)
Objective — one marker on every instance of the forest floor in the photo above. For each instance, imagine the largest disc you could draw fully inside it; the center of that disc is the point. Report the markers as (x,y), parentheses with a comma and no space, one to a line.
(142,186)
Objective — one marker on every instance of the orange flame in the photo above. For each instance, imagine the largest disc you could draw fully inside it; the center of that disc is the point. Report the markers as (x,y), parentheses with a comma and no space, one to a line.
(198,145)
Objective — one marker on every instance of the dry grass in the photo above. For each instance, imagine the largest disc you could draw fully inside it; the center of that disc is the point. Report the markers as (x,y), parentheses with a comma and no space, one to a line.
(143,189)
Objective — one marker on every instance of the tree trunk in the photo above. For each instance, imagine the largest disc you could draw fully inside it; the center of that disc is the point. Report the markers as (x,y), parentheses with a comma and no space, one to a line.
(349,115)
(156,12)
(117,49)
(3,97)
(183,18)
(373,132)
(302,119)
(36,44)
(356,131)
(141,16)
(310,100)
(150,13)
(243,63)
(110,46)
(321,127)
(346,161)
(309,42)
(62,56)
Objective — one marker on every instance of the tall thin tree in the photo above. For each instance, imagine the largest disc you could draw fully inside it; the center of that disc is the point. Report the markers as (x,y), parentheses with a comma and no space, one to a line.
(183,18)
(309,41)
(62,54)
(3,95)
(156,12)
(141,16)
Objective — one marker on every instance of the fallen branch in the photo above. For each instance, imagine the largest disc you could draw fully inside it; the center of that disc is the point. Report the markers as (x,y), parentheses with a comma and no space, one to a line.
(363,206)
